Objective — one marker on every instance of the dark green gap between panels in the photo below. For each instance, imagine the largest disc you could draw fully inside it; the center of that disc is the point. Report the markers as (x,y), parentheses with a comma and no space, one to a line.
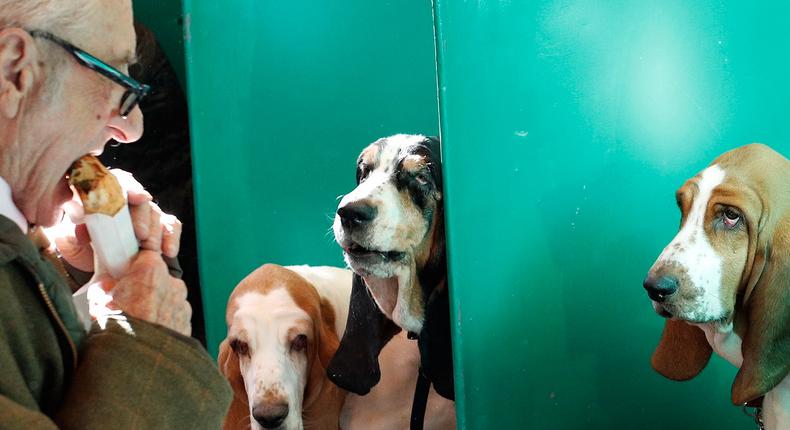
(164,18)
(283,97)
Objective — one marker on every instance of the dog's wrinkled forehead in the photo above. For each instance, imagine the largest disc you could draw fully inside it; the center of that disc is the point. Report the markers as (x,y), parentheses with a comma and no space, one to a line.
(401,155)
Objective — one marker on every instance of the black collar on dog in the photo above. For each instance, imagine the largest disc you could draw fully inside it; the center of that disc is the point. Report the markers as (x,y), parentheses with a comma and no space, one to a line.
(755,403)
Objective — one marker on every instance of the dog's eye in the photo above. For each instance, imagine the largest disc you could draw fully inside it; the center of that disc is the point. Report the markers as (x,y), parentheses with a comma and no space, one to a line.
(239,347)
(299,343)
(730,217)
(363,171)
(421,179)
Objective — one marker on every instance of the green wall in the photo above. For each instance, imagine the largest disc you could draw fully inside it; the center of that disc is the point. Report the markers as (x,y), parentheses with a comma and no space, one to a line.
(567,126)
(283,97)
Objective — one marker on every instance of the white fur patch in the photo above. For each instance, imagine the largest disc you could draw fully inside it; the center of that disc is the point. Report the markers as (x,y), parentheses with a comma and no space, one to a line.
(776,406)
(692,251)
(272,371)
(724,341)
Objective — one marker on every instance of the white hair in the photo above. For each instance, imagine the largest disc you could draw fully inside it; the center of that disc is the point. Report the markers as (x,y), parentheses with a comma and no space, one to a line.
(60,17)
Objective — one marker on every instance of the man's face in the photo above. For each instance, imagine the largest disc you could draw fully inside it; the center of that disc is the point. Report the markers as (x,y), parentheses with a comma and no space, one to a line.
(83,115)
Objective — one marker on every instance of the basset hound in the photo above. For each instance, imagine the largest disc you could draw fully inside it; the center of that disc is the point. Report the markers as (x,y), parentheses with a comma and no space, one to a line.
(723,282)
(391,230)
(284,323)
(281,335)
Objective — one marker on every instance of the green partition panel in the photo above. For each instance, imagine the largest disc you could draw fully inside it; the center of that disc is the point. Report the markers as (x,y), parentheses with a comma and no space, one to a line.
(283,97)
(567,125)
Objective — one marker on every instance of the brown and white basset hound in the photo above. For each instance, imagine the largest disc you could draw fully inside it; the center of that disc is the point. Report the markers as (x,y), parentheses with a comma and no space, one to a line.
(724,281)
(281,335)
(283,324)
(391,229)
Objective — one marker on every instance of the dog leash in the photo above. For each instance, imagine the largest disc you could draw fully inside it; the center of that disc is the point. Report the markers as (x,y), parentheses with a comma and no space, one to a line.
(420,401)
(754,409)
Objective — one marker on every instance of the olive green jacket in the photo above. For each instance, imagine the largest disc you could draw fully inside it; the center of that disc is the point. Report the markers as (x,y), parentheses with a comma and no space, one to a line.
(54,375)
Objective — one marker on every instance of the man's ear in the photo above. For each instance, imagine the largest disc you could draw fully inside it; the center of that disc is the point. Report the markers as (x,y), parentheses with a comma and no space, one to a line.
(19,66)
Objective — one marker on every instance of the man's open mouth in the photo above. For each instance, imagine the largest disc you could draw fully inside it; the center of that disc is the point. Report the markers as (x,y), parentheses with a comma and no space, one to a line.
(357,251)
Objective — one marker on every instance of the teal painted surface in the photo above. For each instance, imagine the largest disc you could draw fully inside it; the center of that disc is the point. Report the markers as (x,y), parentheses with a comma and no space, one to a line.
(164,18)
(567,126)
(283,97)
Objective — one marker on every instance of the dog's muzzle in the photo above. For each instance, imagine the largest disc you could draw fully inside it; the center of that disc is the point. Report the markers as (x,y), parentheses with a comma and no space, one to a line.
(270,416)
(660,288)
(355,219)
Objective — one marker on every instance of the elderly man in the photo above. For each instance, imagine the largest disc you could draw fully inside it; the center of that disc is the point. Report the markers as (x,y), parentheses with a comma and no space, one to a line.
(64,93)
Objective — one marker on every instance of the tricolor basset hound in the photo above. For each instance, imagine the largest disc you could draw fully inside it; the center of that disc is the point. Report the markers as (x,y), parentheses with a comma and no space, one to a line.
(391,229)
(283,325)
(724,281)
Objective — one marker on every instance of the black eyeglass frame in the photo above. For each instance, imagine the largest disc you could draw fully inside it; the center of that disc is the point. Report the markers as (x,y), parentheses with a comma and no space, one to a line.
(135,91)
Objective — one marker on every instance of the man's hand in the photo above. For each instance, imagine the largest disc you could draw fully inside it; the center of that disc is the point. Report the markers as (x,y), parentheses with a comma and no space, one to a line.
(148,292)
(154,229)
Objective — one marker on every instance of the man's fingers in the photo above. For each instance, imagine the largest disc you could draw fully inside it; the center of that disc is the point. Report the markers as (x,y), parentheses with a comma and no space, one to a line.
(153,241)
(149,293)
(135,190)
(141,220)
(73,244)
(171,235)
(81,234)
(135,197)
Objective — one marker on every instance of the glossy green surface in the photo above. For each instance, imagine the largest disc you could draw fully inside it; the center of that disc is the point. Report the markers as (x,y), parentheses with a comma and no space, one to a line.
(567,126)
(283,97)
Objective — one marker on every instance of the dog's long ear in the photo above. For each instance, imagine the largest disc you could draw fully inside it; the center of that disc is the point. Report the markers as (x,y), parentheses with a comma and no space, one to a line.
(355,365)
(682,352)
(766,342)
(329,341)
(435,344)
(239,411)
(322,399)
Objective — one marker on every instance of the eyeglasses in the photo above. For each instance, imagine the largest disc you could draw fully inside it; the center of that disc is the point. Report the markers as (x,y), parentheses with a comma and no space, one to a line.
(135,91)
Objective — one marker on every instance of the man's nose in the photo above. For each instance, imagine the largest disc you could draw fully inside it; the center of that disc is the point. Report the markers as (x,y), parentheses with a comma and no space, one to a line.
(129,129)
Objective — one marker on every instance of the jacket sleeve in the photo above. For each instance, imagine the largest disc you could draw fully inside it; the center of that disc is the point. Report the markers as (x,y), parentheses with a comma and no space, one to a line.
(153,378)
(14,416)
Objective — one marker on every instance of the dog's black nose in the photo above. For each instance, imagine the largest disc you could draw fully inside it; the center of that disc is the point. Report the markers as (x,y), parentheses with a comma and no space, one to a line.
(660,287)
(356,213)
(270,416)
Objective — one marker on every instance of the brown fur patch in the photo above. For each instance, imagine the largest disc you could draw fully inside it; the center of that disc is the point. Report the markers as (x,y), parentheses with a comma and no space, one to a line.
(414,163)
(370,155)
